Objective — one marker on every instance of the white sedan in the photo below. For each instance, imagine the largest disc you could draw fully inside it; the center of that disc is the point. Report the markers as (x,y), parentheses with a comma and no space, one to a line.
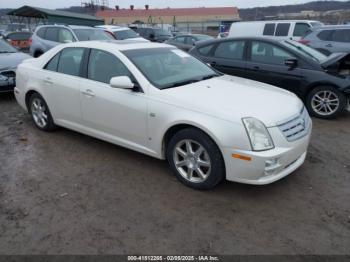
(160,101)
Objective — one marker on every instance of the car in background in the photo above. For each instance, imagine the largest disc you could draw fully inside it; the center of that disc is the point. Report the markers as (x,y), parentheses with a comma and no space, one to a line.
(48,36)
(153,34)
(158,100)
(328,39)
(223,35)
(10,57)
(121,33)
(187,41)
(283,29)
(322,82)
(19,40)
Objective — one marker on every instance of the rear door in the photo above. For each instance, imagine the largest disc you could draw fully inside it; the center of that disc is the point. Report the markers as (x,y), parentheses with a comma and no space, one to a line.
(229,57)
(266,63)
(61,81)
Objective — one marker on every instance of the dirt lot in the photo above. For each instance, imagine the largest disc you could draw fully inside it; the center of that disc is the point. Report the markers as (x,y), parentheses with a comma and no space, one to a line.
(66,193)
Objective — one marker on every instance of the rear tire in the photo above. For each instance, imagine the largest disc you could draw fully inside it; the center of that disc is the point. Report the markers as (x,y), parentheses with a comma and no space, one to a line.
(40,113)
(195,159)
(325,102)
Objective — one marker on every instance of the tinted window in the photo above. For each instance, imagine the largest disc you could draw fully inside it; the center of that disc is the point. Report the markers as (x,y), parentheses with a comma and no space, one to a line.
(19,36)
(325,35)
(190,40)
(70,60)
(65,36)
(300,29)
(125,34)
(103,66)
(282,29)
(51,34)
(53,64)
(180,39)
(269,29)
(342,35)
(41,32)
(230,50)
(92,34)
(205,50)
(268,54)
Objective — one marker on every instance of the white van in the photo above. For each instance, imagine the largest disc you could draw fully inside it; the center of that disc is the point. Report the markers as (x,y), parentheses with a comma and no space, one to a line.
(281,29)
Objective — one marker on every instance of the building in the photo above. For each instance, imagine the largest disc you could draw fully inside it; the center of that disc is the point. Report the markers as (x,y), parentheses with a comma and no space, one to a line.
(36,15)
(184,19)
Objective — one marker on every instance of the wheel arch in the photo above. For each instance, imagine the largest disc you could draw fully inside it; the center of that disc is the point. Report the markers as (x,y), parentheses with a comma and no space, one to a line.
(28,95)
(176,127)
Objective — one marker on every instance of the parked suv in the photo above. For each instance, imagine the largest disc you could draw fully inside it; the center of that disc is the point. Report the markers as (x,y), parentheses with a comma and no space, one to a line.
(153,34)
(47,36)
(329,39)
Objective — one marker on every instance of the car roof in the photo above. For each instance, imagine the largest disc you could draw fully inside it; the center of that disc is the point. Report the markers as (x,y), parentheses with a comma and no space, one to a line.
(279,21)
(325,27)
(67,26)
(218,40)
(120,45)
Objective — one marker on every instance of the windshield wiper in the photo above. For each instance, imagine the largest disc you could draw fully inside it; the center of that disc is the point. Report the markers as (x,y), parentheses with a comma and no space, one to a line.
(209,76)
(182,83)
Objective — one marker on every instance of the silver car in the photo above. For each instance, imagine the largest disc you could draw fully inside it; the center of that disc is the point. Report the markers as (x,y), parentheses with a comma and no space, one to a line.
(329,39)
(48,36)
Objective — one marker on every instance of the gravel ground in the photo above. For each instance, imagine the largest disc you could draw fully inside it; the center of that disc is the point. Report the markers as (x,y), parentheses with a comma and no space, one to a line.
(66,193)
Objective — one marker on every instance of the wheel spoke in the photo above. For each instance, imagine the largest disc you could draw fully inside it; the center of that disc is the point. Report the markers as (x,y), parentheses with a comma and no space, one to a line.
(189,147)
(189,173)
(181,163)
(181,152)
(203,163)
(200,173)
(199,151)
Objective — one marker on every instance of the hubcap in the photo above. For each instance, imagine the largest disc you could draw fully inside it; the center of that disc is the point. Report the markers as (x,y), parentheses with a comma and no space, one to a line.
(39,112)
(325,102)
(192,161)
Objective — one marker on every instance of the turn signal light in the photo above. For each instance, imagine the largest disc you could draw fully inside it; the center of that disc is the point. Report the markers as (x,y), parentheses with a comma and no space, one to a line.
(241,157)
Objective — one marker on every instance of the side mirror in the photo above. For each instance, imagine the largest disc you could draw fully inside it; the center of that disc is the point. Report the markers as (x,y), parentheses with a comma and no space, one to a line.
(123,82)
(291,62)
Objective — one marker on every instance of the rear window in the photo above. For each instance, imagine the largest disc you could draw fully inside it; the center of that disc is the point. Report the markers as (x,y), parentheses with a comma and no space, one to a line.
(41,32)
(282,29)
(51,34)
(342,35)
(19,36)
(269,29)
(300,29)
(92,34)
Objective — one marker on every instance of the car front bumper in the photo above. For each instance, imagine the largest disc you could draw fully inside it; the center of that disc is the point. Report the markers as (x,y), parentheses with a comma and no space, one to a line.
(265,167)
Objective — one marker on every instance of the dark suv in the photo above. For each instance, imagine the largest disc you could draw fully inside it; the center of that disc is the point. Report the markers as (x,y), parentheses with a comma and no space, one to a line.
(153,34)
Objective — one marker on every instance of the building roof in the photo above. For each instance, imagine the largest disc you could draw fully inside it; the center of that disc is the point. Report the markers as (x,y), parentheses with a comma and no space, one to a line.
(38,12)
(201,11)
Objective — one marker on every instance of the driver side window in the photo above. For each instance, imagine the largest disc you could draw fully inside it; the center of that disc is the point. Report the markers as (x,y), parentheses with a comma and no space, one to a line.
(266,53)
(64,36)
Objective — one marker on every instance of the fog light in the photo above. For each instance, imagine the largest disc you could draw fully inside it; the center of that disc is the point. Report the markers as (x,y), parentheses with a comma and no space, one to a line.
(271,165)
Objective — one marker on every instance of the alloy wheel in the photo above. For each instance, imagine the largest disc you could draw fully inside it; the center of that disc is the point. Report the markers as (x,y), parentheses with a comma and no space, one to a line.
(192,161)
(39,112)
(325,102)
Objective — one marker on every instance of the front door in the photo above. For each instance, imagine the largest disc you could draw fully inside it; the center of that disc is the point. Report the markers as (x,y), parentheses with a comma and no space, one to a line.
(112,113)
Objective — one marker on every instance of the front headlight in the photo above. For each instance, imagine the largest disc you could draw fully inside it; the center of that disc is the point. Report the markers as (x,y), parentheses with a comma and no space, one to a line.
(258,134)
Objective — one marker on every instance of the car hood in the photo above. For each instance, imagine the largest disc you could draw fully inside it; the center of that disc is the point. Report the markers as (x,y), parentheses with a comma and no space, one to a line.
(232,98)
(12,60)
(333,59)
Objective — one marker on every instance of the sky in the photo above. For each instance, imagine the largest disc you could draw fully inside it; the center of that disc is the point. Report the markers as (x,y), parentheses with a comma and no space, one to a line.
(153,3)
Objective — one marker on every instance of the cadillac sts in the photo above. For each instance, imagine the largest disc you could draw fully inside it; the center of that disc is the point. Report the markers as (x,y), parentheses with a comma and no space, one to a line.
(158,100)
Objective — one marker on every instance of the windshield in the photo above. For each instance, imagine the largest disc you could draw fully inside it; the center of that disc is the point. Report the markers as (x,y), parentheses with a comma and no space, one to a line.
(305,51)
(167,67)
(161,32)
(91,34)
(6,48)
(125,34)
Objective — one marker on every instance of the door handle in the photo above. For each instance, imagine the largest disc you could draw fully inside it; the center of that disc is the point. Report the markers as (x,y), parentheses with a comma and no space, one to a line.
(329,45)
(88,92)
(48,80)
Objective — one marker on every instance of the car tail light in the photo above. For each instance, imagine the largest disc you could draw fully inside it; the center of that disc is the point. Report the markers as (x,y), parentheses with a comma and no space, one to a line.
(30,41)
(304,41)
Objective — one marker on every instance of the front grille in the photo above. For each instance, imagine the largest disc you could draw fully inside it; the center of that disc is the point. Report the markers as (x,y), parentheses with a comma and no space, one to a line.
(296,127)
(10,73)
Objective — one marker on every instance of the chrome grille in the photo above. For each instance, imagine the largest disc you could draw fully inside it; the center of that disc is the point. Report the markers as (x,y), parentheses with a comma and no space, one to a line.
(296,127)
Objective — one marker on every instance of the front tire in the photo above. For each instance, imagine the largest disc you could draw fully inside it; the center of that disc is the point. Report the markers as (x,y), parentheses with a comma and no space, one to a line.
(195,159)
(40,113)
